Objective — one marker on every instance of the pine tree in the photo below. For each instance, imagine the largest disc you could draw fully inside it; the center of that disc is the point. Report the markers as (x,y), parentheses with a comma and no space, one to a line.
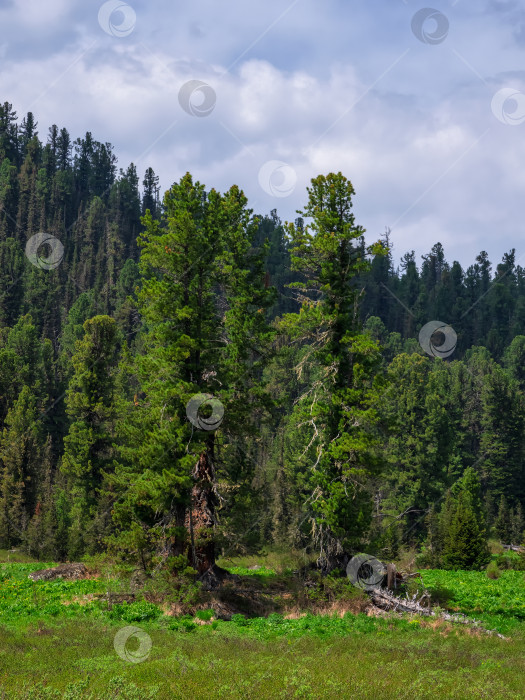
(40,535)
(464,542)
(64,148)
(150,197)
(203,301)
(21,464)
(8,134)
(27,132)
(88,444)
(329,255)
(502,524)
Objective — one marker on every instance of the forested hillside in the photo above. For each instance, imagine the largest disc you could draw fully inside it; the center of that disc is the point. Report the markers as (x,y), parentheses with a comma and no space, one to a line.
(185,377)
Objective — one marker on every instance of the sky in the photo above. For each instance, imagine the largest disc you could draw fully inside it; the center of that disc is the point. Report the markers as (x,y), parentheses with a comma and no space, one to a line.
(422,108)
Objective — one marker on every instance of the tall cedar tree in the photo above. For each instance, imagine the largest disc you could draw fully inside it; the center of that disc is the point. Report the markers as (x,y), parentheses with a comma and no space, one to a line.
(203,301)
(341,456)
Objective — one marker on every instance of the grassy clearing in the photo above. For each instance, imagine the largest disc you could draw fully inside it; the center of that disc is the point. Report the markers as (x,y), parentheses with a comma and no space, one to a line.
(14,556)
(57,641)
(373,658)
(499,603)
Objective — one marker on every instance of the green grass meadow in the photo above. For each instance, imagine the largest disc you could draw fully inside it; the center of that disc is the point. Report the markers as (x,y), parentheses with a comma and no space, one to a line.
(57,640)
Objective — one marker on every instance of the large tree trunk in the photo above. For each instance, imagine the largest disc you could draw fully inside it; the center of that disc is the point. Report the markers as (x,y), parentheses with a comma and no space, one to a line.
(200,518)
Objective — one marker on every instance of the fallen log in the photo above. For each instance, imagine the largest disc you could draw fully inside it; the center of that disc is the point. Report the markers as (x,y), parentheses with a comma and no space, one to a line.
(514,548)
(71,572)
(385,600)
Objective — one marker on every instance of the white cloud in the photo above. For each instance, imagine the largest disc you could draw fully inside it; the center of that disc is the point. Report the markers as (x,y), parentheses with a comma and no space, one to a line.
(411,141)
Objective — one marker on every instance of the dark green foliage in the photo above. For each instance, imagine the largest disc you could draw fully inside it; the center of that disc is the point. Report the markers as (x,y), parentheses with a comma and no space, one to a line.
(339,431)
(464,544)
(463,536)
(203,299)
(502,524)
(88,446)
(339,449)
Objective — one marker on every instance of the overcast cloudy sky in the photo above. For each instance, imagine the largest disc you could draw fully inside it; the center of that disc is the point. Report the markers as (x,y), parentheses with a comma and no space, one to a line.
(421,108)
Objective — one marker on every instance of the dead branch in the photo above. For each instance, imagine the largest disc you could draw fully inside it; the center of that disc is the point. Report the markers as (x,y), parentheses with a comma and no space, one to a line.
(387,601)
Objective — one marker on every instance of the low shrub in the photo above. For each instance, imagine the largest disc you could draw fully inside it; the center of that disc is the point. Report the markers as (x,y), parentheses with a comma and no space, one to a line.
(172,586)
(508,561)
(492,570)
(204,615)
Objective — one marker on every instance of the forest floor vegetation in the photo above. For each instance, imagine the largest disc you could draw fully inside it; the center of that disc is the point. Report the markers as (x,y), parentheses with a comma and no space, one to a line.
(297,637)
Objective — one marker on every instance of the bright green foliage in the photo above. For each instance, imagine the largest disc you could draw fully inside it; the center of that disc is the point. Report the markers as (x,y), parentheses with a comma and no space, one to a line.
(492,571)
(472,593)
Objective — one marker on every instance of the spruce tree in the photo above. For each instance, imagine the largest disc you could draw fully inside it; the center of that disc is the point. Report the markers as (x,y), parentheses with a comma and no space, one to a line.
(463,529)
(21,467)
(464,545)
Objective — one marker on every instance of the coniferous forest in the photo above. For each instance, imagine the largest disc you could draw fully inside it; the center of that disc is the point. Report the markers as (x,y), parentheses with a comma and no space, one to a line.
(262,350)
(183,378)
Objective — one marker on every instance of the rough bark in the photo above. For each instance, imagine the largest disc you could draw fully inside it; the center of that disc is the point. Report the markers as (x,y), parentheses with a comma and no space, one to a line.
(200,520)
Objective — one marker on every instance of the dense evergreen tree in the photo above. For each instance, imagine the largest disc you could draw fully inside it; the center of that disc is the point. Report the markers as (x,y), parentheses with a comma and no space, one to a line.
(150,198)
(88,450)
(464,544)
(338,386)
(203,300)
(339,455)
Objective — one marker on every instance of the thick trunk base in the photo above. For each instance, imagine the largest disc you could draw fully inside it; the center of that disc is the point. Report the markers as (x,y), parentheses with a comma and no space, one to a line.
(213,577)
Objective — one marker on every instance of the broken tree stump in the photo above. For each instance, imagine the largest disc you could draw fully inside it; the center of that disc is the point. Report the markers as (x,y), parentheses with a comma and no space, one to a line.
(391,577)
